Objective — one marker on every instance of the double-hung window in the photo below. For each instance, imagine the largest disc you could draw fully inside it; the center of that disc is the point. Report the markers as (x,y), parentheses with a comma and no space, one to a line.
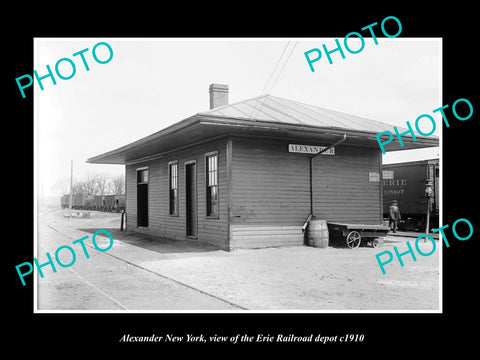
(173,187)
(211,161)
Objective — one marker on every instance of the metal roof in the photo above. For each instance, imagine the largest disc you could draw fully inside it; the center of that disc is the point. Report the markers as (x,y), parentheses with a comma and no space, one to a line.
(274,109)
(264,115)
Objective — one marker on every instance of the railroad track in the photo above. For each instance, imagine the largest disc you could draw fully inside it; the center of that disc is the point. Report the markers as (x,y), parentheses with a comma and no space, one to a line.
(109,296)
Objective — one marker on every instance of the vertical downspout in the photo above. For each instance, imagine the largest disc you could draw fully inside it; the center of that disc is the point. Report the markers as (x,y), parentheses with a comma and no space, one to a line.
(381,189)
(311,185)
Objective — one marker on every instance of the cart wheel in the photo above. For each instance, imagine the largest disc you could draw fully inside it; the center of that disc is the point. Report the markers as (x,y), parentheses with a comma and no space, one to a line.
(353,239)
(377,242)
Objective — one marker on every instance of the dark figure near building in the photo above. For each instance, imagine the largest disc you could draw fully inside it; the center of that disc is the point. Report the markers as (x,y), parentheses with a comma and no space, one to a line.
(394,216)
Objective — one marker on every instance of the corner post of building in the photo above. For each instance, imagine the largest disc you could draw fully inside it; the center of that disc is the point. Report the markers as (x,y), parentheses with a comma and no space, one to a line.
(229,147)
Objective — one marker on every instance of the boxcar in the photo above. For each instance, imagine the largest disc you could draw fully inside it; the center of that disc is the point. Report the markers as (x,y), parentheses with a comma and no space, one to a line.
(114,202)
(88,205)
(405,182)
(98,202)
(78,201)
(122,202)
(94,202)
(109,202)
(119,203)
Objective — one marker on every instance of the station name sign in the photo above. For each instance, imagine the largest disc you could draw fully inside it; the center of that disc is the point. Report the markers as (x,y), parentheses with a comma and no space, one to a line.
(309,149)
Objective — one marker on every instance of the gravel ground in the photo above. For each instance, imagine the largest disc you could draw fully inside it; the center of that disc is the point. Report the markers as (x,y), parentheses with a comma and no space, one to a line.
(285,278)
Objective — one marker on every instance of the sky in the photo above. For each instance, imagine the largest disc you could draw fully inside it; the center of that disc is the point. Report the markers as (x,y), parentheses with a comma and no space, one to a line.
(155,82)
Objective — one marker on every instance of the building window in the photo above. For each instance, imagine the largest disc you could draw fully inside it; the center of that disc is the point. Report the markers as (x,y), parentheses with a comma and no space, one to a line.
(142,176)
(212,184)
(173,187)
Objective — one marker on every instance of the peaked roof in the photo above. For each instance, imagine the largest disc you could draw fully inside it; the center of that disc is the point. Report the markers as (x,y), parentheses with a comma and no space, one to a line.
(275,109)
(264,115)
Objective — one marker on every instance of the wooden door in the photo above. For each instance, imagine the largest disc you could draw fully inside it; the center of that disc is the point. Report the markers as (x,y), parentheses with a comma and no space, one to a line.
(191,199)
(142,197)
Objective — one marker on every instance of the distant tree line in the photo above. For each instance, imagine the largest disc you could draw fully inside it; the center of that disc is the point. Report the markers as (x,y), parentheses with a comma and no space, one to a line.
(98,184)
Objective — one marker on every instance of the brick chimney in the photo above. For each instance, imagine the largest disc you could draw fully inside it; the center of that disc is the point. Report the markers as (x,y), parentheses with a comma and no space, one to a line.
(218,95)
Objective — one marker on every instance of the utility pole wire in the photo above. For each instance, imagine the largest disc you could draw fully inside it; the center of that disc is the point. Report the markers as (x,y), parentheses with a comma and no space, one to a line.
(276,79)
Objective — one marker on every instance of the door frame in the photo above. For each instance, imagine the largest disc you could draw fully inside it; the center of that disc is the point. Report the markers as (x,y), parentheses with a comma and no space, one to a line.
(187,192)
(147,195)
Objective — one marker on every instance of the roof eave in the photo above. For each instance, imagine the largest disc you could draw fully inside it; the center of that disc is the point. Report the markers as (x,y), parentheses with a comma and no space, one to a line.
(368,137)
(145,140)
(421,141)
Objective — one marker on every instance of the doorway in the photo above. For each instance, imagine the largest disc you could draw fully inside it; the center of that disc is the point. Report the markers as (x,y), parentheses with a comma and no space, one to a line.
(142,197)
(191,198)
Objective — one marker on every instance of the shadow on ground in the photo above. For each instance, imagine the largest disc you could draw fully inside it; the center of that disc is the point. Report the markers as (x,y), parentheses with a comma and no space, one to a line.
(366,243)
(156,243)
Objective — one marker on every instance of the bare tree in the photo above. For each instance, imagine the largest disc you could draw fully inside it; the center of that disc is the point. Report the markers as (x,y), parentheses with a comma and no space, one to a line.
(78,187)
(96,184)
(101,183)
(117,184)
(90,184)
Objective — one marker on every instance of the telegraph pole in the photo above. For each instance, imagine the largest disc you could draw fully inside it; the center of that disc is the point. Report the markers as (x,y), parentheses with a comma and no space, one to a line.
(71,184)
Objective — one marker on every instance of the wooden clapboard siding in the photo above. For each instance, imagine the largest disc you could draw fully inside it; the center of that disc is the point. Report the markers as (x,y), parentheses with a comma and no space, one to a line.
(131,196)
(247,236)
(269,185)
(270,194)
(264,194)
(271,190)
(342,190)
(212,230)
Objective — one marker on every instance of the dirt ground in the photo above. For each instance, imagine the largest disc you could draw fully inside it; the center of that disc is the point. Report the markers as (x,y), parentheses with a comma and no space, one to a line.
(284,278)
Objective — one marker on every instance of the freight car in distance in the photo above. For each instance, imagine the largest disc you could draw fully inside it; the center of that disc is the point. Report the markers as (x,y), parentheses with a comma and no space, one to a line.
(110,203)
(79,201)
(405,182)
(114,203)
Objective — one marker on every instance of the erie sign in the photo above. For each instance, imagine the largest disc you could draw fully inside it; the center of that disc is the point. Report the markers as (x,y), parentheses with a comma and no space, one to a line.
(309,149)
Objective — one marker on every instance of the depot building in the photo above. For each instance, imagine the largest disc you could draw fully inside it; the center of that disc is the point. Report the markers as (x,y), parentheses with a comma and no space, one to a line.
(248,174)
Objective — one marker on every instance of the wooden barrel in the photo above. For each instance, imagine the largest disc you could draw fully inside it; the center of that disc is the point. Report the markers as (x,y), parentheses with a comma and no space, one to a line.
(318,233)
